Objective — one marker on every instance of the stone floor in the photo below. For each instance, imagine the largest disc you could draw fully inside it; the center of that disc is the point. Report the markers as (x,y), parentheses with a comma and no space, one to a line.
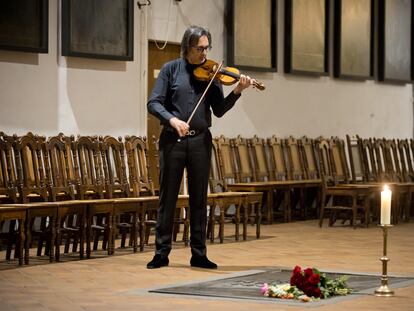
(121,282)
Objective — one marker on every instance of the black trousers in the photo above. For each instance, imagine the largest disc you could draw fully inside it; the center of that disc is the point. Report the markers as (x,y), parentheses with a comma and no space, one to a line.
(193,153)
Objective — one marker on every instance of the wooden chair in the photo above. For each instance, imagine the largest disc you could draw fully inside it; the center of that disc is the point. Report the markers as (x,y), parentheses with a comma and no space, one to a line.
(312,175)
(89,175)
(8,187)
(141,185)
(8,194)
(32,187)
(309,189)
(117,186)
(286,167)
(238,175)
(386,168)
(407,160)
(406,187)
(337,197)
(61,183)
(246,204)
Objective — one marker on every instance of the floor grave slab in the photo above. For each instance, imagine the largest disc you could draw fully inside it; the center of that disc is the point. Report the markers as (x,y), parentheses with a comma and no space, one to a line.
(246,285)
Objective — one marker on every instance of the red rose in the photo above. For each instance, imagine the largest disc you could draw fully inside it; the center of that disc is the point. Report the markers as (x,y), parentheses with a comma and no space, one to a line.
(308,272)
(314,279)
(297,270)
(308,290)
(296,280)
(317,292)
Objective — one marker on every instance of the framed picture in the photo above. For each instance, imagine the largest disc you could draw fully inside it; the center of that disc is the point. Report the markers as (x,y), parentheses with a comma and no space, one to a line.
(395,40)
(353,39)
(98,29)
(24,25)
(306,36)
(252,45)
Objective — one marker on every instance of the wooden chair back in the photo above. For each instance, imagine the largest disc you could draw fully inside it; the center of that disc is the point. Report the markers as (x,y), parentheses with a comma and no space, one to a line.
(406,158)
(226,159)
(8,188)
(383,160)
(89,167)
(296,170)
(356,162)
(245,171)
(277,159)
(369,160)
(57,159)
(395,164)
(138,166)
(339,161)
(310,158)
(260,159)
(114,167)
(327,169)
(30,169)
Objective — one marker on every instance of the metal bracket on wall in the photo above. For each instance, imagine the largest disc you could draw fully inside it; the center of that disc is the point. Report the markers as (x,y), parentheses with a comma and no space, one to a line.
(143,4)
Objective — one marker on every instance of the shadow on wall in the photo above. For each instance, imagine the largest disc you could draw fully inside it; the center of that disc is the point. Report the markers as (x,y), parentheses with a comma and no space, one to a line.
(95,64)
(19,57)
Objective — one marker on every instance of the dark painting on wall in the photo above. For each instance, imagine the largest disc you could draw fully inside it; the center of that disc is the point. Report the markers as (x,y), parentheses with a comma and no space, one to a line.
(306,36)
(395,40)
(252,45)
(24,25)
(353,39)
(98,28)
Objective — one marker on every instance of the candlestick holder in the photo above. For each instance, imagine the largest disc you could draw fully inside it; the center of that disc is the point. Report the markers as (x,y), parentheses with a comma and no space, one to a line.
(384,290)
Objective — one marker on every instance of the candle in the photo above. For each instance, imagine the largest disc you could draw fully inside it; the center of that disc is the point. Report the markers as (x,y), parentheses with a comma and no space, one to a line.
(386,206)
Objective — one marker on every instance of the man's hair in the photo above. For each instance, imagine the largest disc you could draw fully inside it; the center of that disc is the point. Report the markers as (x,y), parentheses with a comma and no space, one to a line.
(191,37)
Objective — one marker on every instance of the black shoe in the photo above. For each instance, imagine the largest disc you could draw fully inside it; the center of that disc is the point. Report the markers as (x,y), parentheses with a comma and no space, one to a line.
(158,262)
(202,262)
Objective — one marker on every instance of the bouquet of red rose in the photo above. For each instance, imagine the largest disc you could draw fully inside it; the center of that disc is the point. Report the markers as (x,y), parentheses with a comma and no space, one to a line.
(307,281)
(315,284)
(307,285)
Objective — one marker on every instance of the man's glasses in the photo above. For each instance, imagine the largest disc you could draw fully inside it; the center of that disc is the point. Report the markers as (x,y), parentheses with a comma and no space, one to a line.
(201,49)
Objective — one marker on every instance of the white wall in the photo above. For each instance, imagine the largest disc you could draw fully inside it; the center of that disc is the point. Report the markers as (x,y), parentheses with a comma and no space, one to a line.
(47,93)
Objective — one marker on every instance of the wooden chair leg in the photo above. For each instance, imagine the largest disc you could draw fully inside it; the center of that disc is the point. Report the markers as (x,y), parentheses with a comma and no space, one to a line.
(133,234)
(212,223)
(237,222)
(354,211)
(258,219)
(11,239)
(221,228)
(322,209)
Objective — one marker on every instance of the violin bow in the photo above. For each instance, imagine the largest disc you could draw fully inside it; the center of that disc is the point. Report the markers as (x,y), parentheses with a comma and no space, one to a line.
(204,94)
(202,97)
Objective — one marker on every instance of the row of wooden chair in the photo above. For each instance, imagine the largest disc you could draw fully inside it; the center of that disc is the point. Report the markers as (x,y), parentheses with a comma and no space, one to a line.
(93,188)
(320,175)
(76,173)
(277,167)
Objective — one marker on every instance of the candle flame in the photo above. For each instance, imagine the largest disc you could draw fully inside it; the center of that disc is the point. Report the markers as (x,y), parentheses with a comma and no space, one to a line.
(386,188)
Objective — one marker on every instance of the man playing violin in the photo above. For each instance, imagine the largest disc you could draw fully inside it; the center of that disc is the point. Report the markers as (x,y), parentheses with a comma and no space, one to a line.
(185,144)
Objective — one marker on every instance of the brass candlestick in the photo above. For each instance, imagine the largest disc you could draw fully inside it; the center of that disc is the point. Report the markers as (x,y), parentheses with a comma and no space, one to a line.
(384,290)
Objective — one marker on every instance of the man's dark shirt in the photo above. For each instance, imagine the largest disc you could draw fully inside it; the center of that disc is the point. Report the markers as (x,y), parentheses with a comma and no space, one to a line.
(176,93)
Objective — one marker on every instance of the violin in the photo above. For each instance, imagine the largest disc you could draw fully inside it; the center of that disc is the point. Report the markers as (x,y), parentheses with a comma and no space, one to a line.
(226,75)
